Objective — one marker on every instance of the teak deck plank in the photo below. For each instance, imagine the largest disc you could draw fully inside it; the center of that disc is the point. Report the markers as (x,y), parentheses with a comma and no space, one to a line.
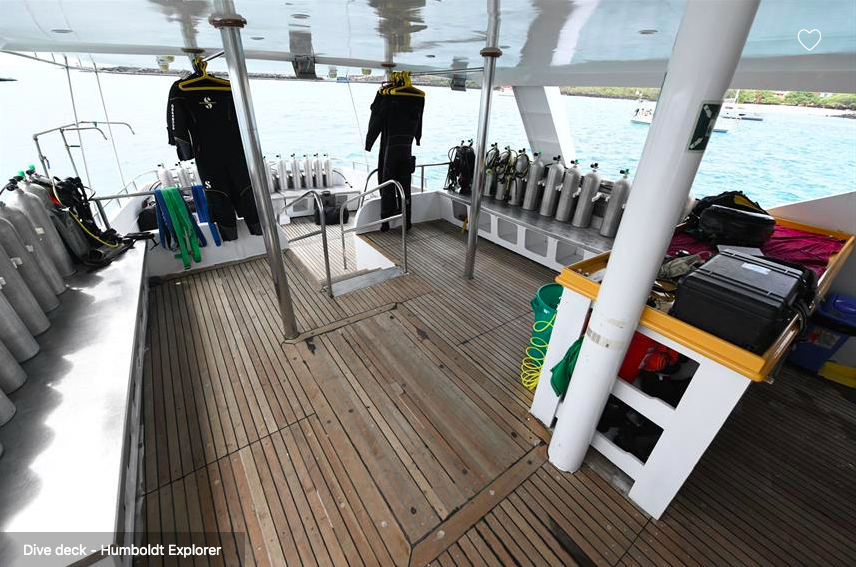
(395,432)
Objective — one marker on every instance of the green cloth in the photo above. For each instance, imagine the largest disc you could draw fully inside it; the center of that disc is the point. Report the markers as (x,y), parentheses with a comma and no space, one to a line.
(182,222)
(561,377)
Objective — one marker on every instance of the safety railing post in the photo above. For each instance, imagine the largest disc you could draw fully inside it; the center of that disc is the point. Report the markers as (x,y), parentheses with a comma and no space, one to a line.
(229,23)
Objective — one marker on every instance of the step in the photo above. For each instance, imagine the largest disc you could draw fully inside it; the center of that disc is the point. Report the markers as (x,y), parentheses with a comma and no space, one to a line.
(366,279)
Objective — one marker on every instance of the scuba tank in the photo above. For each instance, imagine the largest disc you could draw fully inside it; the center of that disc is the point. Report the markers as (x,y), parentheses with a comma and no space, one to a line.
(504,173)
(532,196)
(194,173)
(66,226)
(317,181)
(19,296)
(35,211)
(552,187)
(462,161)
(27,266)
(7,408)
(165,177)
(490,161)
(269,165)
(13,332)
(587,196)
(183,175)
(282,171)
(12,376)
(567,198)
(615,207)
(327,169)
(31,240)
(307,172)
(522,164)
(295,173)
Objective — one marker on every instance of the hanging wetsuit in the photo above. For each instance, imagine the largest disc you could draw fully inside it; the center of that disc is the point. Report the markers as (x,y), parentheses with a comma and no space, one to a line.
(202,125)
(398,121)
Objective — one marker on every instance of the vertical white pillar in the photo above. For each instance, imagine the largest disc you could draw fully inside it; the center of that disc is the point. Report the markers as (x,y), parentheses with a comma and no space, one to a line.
(706,52)
(542,111)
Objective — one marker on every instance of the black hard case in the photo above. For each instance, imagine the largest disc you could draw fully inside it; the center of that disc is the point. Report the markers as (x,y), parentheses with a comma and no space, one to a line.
(745,300)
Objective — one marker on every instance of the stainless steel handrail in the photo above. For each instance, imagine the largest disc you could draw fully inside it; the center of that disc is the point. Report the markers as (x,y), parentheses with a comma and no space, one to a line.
(402,216)
(322,231)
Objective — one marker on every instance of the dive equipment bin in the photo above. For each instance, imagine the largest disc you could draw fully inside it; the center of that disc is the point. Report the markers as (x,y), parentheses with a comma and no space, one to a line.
(522,167)
(35,211)
(532,197)
(552,187)
(14,333)
(490,161)
(615,205)
(183,175)
(20,297)
(27,267)
(297,182)
(504,173)
(585,203)
(568,195)
(31,240)
(12,376)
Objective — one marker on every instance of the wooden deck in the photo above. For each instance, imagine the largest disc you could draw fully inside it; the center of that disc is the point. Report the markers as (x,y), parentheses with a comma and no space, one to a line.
(397,433)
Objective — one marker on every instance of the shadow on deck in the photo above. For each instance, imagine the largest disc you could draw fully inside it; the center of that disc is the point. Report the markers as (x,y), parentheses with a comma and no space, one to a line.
(401,434)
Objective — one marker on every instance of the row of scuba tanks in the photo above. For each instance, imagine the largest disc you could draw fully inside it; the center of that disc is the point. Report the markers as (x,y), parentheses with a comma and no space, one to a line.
(36,235)
(556,191)
(283,174)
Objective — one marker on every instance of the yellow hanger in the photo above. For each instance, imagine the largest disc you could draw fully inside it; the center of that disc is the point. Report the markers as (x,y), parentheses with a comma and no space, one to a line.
(202,67)
(403,86)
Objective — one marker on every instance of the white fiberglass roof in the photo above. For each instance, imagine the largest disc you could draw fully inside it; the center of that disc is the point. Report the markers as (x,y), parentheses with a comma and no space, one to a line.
(544,42)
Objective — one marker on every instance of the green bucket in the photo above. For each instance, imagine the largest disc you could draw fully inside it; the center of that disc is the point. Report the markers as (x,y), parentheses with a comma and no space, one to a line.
(544,306)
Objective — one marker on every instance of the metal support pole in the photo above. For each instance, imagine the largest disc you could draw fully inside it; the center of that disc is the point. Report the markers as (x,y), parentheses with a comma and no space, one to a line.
(490,54)
(230,25)
(706,52)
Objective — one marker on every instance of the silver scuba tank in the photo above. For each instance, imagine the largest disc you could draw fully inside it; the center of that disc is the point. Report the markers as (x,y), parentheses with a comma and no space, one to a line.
(194,173)
(570,185)
(35,211)
(615,205)
(504,174)
(490,161)
(532,196)
(327,168)
(7,411)
(27,266)
(28,186)
(282,173)
(313,172)
(20,297)
(587,194)
(552,188)
(183,175)
(31,240)
(307,172)
(522,166)
(295,173)
(12,376)
(165,176)
(269,166)
(14,333)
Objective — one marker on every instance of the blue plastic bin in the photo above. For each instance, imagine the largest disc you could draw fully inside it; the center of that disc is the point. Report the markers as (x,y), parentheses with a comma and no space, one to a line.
(829,328)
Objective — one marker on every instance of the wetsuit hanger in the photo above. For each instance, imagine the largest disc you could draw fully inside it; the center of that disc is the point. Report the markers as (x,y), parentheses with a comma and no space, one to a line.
(202,81)
(405,87)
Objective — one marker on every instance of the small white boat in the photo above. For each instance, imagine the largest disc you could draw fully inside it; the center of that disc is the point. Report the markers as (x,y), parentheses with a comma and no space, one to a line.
(645,114)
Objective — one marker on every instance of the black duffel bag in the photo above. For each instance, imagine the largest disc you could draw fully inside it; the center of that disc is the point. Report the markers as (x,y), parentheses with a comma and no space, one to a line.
(725,225)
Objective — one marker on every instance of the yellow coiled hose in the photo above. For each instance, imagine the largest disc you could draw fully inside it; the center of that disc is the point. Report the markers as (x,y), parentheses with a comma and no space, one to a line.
(530,367)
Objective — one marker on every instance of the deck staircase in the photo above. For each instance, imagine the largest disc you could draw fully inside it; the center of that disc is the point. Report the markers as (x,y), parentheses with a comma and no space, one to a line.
(337,258)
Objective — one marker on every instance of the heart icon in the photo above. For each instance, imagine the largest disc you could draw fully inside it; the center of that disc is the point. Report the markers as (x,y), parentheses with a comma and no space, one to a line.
(808,33)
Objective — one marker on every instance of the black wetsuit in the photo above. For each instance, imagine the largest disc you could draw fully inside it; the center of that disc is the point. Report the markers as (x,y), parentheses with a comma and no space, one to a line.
(202,125)
(397,119)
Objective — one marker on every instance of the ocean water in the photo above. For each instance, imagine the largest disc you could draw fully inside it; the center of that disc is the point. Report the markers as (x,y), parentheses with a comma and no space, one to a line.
(783,159)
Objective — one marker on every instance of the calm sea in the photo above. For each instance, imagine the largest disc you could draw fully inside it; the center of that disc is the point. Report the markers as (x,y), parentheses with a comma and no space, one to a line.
(783,159)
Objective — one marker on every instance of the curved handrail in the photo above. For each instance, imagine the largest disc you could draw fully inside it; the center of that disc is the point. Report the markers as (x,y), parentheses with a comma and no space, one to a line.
(322,231)
(402,216)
